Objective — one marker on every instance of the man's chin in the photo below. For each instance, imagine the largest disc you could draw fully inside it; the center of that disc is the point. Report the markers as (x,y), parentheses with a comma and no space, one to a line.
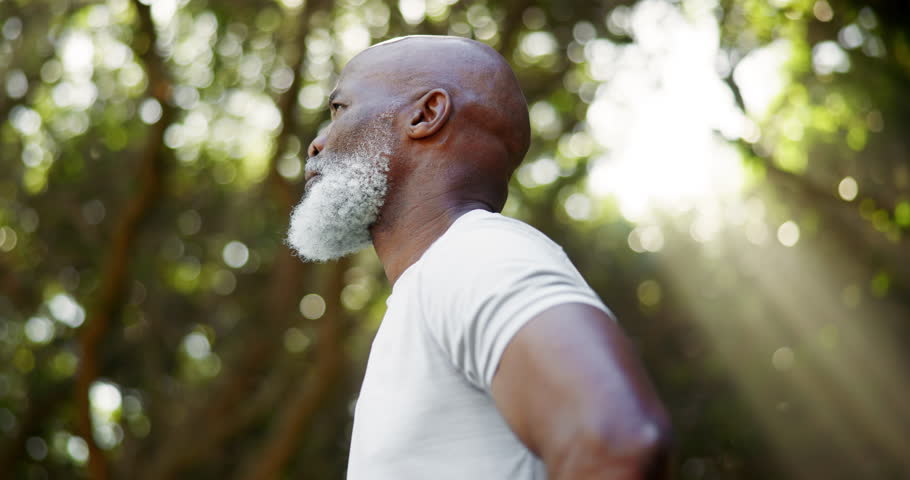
(318,255)
(316,252)
(321,236)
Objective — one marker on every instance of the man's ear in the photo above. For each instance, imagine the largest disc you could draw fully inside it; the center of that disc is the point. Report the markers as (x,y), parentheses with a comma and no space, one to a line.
(430,114)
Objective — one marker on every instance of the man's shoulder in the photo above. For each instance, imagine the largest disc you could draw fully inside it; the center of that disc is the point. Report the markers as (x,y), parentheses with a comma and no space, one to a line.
(481,238)
(493,230)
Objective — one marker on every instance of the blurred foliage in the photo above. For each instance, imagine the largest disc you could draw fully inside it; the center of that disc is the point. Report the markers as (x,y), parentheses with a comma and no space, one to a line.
(153,325)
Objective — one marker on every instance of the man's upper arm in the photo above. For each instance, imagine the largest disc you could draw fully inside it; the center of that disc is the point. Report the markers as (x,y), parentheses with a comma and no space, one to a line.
(570,386)
(482,285)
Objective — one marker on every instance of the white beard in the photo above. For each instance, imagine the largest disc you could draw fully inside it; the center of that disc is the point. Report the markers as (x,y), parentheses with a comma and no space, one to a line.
(334,217)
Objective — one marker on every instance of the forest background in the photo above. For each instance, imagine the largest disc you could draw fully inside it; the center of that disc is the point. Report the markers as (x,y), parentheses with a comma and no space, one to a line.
(732,177)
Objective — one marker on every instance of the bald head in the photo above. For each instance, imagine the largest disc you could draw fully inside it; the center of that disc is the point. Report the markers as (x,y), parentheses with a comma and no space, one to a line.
(484,92)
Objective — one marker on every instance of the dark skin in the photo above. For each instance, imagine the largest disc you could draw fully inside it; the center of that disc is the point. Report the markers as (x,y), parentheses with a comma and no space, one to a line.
(461,126)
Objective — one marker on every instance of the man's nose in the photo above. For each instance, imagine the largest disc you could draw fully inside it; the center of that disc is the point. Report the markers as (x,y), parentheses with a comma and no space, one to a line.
(316,145)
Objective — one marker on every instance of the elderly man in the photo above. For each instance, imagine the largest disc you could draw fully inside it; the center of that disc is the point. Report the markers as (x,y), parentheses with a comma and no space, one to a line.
(495,360)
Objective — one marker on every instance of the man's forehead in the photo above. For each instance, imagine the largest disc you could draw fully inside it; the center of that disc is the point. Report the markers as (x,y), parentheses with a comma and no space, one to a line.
(373,59)
(354,80)
(375,69)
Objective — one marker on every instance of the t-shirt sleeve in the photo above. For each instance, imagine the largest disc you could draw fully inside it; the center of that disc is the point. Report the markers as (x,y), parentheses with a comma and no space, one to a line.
(484,283)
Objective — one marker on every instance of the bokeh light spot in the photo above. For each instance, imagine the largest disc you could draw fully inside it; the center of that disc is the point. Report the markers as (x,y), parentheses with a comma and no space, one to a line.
(848,189)
(150,111)
(197,345)
(16,84)
(311,97)
(649,293)
(295,341)
(578,206)
(312,306)
(235,254)
(788,233)
(850,36)
(783,358)
(538,44)
(189,222)
(26,120)
(39,330)
(355,296)
(413,11)
(36,448)
(93,211)
(66,310)
(12,28)
(823,11)
(77,449)
(223,282)
(104,397)
(828,57)
(8,239)
(289,167)
(902,214)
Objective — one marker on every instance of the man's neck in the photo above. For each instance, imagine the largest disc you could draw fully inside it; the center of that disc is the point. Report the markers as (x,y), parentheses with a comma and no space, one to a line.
(400,240)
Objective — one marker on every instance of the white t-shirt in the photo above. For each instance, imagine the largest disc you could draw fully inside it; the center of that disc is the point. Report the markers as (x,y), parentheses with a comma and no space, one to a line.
(425,411)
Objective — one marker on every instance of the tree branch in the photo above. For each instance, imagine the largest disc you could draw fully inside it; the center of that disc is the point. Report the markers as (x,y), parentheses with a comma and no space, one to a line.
(298,411)
(109,298)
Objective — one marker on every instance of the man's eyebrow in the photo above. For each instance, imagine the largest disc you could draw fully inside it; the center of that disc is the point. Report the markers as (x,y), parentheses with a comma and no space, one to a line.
(332,96)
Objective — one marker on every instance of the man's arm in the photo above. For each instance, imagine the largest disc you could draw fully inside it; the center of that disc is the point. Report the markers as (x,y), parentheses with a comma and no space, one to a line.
(570,386)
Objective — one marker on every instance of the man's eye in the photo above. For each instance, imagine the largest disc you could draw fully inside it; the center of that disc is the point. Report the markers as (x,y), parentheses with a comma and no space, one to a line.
(337,106)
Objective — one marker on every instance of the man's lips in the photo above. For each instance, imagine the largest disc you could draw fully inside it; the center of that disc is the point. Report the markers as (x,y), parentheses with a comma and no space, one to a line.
(308,178)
